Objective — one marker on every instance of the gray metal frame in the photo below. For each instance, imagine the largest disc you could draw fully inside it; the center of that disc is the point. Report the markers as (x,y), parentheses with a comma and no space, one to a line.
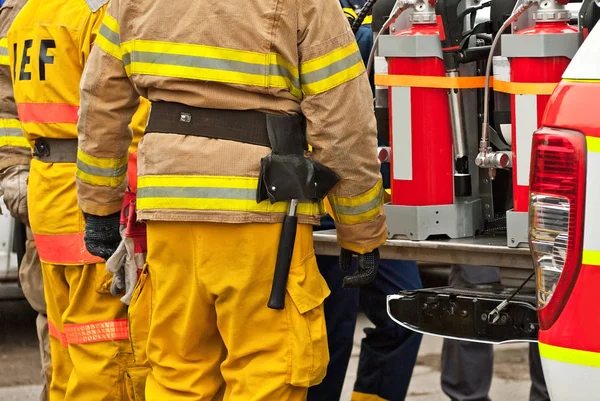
(410,46)
(480,250)
(459,220)
(564,45)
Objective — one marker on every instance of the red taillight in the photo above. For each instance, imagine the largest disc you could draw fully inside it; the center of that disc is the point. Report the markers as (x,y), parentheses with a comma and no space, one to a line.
(556,212)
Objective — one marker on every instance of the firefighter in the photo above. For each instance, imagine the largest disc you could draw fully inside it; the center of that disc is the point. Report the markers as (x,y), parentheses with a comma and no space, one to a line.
(236,88)
(388,352)
(15,157)
(49,44)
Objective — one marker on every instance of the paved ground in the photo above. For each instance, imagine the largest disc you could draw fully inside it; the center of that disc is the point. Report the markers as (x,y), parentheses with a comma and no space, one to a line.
(511,371)
(19,365)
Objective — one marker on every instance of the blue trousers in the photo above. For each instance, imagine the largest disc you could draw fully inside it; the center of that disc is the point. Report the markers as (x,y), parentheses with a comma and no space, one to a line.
(388,352)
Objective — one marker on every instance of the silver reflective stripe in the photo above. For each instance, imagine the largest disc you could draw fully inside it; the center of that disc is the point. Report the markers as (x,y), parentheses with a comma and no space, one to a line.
(11,132)
(100,171)
(208,63)
(110,35)
(197,62)
(3,51)
(526,120)
(197,192)
(360,209)
(280,71)
(331,69)
(95,5)
(126,59)
(402,133)
(591,237)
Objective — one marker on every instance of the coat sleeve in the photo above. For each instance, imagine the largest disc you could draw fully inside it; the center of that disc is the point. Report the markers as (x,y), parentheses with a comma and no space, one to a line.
(341,126)
(108,103)
(15,150)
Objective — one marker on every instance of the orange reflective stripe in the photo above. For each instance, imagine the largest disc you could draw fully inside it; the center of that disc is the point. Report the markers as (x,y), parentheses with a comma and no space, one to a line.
(420,81)
(524,88)
(47,113)
(64,249)
(108,330)
(56,333)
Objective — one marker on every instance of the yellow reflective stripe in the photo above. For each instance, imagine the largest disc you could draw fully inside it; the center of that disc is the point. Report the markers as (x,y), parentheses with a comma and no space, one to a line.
(358,209)
(356,396)
(209,193)
(11,133)
(108,38)
(10,123)
(291,80)
(101,171)
(328,59)
(583,81)
(111,23)
(102,162)
(108,47)
(591,258)
(332,69)
(568,355)
(17,141)
(100,180)
(593,144)
(4,52)
(209,63)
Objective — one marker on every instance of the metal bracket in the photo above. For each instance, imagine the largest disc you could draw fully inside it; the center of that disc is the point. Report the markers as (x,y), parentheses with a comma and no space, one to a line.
(459,220)
(410,46)
(564,45)
(517,226)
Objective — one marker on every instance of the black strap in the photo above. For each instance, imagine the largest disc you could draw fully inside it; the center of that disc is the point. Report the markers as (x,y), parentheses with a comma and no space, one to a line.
(52,150)
(234,125)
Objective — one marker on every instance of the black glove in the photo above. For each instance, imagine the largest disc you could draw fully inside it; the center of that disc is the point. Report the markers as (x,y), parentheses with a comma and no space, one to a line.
(102,236)
(367,268)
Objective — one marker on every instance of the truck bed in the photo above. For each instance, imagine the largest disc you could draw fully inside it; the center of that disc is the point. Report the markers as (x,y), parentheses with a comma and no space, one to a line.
(488,250)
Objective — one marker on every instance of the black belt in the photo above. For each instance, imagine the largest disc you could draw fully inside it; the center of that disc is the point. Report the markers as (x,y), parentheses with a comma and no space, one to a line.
(252,127)
(52,150)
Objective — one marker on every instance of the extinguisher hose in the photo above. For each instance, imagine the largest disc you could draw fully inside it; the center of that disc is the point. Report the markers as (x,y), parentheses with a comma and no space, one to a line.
(485,133)
(366,10)
(397,10)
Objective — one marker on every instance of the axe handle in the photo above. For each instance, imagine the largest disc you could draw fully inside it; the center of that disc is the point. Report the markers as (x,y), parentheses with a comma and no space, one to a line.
(284,259)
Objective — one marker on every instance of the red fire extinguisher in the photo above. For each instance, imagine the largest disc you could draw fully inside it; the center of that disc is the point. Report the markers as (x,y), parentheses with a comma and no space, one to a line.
(421,137)
(536,56)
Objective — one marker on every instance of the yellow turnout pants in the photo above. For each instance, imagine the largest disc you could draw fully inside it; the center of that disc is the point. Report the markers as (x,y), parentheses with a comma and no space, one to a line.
(88,334)
(211,334)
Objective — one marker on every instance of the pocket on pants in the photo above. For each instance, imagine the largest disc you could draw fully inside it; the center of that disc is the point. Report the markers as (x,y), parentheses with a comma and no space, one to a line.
(136,378)
(309,353)
(139,313)
(103,278)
